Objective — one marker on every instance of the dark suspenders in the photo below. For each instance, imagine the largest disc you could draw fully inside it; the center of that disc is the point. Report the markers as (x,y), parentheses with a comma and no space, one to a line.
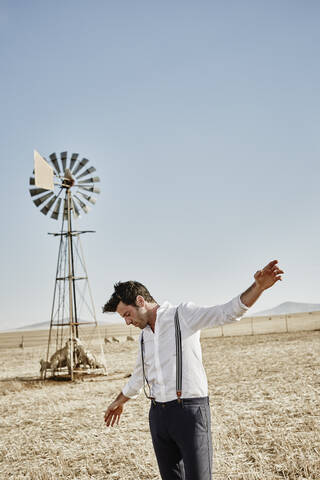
(145,380)
(178,355)
(178,360)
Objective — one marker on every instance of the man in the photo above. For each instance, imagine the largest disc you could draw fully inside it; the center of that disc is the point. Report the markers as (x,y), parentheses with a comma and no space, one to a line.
(170,363)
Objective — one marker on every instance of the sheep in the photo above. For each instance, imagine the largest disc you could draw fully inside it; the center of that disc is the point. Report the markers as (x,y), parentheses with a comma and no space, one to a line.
(44,366)
(114,339)
(85,357)
(61,358)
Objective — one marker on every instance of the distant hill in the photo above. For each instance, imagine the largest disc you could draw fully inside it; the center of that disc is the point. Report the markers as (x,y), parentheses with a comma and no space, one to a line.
(46,325)
(288,307)
(35,326)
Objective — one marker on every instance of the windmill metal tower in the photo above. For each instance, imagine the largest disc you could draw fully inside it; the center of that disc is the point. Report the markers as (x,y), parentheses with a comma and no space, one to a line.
(63,188)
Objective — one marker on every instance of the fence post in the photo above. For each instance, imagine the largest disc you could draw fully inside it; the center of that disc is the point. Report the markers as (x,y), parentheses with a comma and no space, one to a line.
(252,332)
(286,319)
(22,342)
(222,333)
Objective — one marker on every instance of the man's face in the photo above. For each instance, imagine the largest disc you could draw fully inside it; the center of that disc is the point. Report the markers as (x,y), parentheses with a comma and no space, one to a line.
(133,315)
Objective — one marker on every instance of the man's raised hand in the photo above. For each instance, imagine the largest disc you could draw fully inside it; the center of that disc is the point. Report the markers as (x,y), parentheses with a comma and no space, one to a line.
(268,276)
(263,279)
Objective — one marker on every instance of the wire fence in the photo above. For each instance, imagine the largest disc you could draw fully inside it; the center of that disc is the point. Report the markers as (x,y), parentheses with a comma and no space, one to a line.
(295,322)
(118,332)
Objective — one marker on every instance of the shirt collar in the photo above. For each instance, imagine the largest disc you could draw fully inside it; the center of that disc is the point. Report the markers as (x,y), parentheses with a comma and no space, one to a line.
(164,306)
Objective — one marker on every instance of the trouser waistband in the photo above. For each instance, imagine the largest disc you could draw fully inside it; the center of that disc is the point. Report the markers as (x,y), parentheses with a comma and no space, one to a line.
(185,401)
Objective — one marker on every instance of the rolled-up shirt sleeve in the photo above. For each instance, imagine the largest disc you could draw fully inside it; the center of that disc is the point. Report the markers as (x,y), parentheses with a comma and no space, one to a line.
(196,317)
(134,385)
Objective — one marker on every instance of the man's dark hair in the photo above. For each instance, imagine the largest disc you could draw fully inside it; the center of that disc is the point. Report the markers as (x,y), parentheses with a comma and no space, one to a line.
(127,293)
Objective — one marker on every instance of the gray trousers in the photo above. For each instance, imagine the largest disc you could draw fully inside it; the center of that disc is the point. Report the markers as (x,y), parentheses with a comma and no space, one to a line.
(181,436)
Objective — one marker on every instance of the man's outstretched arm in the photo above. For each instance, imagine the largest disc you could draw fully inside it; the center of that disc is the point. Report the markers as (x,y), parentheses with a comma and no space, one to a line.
(114,411)
(264,279)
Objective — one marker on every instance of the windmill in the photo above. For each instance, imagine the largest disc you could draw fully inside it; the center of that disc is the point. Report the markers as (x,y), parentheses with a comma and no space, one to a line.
(61,188)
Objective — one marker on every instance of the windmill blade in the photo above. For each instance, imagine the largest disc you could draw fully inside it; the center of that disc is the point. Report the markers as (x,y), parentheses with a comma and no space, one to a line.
(90,189)
(37,191)
(80,165)
(73,160)
(89,199)
(47,207)
(31,181)
(90,180)
(55,213)
(63,156)
(42,199)
(76,212)
(54,160)
(82,205)
(87,172)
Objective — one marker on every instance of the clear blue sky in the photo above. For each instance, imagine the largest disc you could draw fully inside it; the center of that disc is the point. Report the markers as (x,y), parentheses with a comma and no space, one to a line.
(202,119)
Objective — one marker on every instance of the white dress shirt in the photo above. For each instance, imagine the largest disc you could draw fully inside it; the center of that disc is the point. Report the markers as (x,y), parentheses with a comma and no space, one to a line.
(160,349)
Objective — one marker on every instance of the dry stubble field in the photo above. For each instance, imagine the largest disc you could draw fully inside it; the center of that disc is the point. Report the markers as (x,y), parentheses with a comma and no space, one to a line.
(265,406)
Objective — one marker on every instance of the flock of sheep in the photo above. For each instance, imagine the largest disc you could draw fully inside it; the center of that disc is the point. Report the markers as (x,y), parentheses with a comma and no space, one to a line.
(82,358)
(116,340)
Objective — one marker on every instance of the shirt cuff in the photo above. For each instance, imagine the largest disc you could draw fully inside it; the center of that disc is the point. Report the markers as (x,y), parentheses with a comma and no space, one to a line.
(242,305)
(129,392)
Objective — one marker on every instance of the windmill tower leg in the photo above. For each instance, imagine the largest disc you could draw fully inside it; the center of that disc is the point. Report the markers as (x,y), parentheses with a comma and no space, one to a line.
(60,255)
(71,285)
